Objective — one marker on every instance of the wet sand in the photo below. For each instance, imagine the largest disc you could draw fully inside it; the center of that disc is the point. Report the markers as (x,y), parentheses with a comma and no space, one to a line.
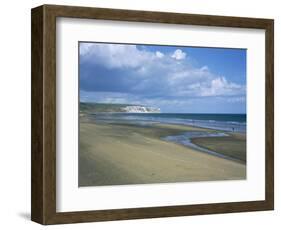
(118,154)
(233,145)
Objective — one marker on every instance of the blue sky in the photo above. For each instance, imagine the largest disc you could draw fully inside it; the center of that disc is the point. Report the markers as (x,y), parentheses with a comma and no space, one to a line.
(174,79)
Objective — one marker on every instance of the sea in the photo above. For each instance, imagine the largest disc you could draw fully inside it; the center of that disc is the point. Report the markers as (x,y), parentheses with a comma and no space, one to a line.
(223,122)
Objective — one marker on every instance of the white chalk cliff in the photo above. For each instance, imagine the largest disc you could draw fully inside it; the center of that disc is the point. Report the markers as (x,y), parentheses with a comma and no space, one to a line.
(140,109)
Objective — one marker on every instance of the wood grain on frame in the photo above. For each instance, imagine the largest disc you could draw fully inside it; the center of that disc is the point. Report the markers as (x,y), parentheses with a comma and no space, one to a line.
(43,160)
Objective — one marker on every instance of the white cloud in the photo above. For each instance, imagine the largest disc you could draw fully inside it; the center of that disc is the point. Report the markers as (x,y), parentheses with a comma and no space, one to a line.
(150,74)
(115,55)
(178,54)
(204,68)
(85,48)
(221,87)
(159,54)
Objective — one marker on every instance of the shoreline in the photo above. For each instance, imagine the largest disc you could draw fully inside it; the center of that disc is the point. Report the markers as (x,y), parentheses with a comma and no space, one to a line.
(112,154)
(149,118)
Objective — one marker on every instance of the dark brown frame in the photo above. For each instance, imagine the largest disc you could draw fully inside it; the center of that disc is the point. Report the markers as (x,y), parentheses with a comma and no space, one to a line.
(43,160)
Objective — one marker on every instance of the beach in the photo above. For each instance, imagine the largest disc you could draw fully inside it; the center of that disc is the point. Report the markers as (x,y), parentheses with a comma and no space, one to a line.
(127,153)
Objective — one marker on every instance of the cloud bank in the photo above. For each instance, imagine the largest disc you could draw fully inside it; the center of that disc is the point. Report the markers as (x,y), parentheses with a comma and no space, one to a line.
(131,74)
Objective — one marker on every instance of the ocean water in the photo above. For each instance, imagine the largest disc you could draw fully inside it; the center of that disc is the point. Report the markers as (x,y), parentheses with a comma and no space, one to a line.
(224,122)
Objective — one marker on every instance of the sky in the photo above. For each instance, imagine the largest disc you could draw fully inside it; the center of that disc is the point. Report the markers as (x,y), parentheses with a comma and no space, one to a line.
(175,79)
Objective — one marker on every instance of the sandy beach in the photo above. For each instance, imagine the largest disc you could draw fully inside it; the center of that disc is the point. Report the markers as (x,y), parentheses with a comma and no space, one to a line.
(117,154)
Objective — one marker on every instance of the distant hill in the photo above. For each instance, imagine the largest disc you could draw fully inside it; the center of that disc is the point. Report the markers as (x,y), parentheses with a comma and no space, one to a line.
(86,107)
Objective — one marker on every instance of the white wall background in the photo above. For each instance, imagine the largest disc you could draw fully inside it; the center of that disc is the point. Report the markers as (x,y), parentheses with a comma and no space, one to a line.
(15,113)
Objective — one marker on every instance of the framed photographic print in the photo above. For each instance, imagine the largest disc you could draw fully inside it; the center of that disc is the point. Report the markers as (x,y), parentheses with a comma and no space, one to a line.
(141,114)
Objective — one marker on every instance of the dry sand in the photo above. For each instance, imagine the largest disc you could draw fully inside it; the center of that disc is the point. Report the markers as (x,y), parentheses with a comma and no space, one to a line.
(111,154)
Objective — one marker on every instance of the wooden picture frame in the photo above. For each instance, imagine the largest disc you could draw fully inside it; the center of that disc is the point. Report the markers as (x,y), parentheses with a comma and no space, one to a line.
(43,202)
